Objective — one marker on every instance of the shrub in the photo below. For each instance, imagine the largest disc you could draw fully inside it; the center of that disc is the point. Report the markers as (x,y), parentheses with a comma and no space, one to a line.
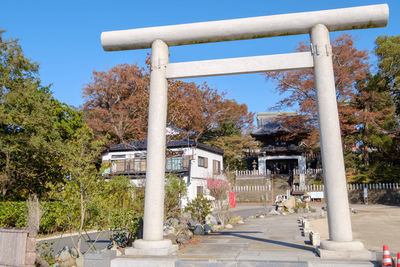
(235,219)
(175,190)
(199,208)
(219,190)
(125,223)
(51,220)
(14,214)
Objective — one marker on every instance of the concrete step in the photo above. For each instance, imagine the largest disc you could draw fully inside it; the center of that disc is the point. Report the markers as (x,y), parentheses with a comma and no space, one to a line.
(267,263)
(342,264)
(171,261)
(197,263)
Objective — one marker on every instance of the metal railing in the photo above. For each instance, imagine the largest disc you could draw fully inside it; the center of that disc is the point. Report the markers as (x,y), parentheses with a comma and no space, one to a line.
(320,187)
(137,166)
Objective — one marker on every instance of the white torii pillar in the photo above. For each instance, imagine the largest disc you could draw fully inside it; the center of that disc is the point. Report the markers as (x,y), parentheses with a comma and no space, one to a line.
(340,232)
(318,24)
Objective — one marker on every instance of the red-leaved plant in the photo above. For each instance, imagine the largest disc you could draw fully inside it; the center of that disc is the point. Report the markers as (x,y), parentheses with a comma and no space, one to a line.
(219,190)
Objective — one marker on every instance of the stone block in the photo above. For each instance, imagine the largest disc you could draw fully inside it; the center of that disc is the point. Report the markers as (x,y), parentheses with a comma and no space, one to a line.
(30,258)
(31,244)
(198,230)
(362,255)
(290,203)
(228,226)
(171,237)
(307,232)
(315,238)
(184,236)
(144,262)
(211,219)
(152,252)
(102,259)
(350,250)
(207,228)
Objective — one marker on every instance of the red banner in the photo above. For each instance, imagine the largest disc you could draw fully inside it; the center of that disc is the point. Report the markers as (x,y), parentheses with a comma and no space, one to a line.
(232,201)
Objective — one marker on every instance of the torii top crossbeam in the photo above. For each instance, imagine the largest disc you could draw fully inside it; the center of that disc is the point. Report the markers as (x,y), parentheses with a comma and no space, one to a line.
(247,28)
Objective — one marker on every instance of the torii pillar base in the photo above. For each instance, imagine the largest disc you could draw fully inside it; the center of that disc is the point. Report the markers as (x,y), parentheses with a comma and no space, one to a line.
(156,248)
(351,250)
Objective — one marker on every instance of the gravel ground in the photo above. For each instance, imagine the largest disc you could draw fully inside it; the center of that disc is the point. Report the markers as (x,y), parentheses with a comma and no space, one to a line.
(374,225)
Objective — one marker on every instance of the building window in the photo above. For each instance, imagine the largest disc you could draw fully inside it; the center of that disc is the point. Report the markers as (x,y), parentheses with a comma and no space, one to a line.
(202,162)
(174,164)
(216,167)
(200,190)
(116,157)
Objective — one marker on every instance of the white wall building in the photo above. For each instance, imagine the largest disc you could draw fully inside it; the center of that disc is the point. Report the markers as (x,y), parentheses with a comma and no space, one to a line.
(193,162)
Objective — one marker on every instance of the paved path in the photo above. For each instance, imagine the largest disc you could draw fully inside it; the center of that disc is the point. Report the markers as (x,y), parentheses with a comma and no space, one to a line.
(269,241)
(247,210)
(55,244)
(257,238)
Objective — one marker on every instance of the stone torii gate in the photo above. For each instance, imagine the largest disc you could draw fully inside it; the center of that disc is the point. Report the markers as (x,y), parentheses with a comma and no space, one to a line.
(317,24)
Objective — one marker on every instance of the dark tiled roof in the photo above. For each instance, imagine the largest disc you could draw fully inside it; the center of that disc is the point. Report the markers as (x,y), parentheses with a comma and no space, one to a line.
(142,145)
(268,123)
(270,127)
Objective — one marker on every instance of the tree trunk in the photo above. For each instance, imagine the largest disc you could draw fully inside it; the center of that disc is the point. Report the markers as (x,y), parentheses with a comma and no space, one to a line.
(6,175)
(81,224)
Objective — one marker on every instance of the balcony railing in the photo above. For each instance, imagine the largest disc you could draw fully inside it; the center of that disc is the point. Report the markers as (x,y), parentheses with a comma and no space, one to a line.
(138,166)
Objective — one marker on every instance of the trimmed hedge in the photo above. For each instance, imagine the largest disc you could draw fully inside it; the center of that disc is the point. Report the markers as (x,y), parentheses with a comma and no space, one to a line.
(15,213)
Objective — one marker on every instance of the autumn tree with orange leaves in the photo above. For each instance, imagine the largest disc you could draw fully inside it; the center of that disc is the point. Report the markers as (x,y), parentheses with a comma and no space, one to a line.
(350,65)
(116,103)
(366,105)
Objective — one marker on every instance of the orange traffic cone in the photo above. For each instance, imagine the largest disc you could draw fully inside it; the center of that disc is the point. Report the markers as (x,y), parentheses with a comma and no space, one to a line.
(386,259)
(398,259)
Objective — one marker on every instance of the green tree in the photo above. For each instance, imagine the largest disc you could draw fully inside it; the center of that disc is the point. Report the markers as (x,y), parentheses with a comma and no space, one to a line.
(377,109)
(234,147)
(387,50)
(81,191)
(122,201)
(34,127)
(376,133)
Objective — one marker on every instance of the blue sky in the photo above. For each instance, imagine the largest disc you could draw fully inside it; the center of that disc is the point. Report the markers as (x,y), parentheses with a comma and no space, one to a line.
(64,38)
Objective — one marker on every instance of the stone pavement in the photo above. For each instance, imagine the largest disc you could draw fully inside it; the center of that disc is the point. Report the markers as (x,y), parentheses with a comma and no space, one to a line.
(270,241)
